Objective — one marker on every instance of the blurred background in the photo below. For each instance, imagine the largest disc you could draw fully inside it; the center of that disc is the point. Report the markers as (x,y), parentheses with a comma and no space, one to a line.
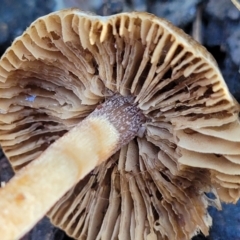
(214,23)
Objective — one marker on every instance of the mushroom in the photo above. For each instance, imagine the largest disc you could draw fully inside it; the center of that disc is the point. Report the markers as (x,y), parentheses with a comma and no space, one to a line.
(116,127)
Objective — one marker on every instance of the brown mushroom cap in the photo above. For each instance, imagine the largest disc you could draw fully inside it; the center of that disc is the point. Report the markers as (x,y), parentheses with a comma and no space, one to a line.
(68,62)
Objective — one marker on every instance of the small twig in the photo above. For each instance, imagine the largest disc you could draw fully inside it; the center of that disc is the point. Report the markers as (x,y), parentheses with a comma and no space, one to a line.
(197,25)
(236,3)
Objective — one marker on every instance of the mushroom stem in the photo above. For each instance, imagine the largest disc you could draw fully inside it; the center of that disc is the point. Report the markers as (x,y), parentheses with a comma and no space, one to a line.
(36,188)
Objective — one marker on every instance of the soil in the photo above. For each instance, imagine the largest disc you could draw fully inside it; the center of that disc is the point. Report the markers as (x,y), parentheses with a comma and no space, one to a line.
(214,24)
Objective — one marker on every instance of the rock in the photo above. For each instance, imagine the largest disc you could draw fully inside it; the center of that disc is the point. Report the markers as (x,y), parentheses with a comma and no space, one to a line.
(44,230)
(16,15)
(214,34)
(6,171)
(226,222)
(233,44)
(222,9)
(90,5)
(201,237)
(110,7)
(180,13)
(139,5)
(231,75)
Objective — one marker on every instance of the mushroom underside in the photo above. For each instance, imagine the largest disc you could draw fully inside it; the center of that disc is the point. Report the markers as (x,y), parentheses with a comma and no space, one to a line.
(69,62)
